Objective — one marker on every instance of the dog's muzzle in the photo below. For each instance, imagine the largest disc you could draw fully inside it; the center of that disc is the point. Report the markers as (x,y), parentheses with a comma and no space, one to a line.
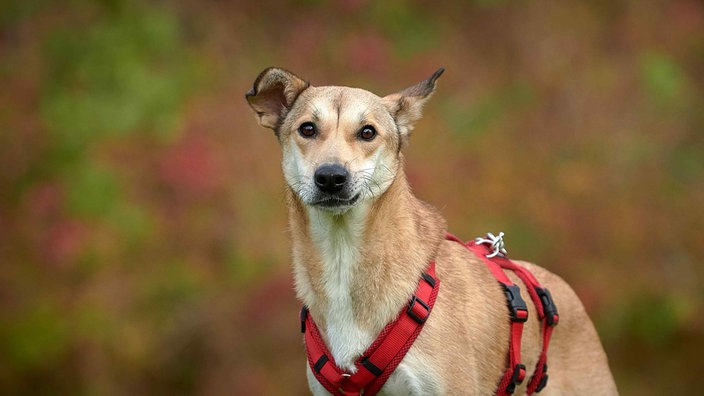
(333,183)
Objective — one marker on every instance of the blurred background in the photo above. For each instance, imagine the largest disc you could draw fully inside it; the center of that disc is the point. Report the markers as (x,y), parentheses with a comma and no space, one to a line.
(143,245)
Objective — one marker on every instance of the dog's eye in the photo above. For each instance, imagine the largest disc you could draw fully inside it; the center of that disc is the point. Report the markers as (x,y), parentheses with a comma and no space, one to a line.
(367,133)
(307,129)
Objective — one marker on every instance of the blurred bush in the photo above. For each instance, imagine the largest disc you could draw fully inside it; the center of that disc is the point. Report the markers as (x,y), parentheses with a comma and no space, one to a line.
(142,221)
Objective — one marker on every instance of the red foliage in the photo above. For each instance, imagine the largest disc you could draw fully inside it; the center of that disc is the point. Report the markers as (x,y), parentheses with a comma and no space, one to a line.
(190,168)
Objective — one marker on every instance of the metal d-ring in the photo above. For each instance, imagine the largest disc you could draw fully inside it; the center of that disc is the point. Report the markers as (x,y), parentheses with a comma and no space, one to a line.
(348,375)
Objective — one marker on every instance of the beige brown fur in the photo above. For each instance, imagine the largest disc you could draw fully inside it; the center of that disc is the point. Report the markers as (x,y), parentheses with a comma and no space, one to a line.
(361,240)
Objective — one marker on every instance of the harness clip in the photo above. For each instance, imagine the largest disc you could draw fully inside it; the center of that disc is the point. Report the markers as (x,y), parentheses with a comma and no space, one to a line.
(543,380)
(519,374)
(415,312)
(516,305)
(496,244)
(549,307)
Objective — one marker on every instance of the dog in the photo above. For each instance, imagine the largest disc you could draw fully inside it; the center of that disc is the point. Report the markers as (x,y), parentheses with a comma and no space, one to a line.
(361,241)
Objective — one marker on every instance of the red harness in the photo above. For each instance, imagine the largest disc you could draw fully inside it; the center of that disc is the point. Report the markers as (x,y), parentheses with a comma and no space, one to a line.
(547,313)
(382,357)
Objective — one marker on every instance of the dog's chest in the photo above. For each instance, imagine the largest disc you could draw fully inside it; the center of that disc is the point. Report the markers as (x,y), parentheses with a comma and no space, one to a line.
(339,247)
(338,244)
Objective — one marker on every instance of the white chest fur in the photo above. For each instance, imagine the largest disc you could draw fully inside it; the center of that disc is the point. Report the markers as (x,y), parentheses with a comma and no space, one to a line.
(338,239)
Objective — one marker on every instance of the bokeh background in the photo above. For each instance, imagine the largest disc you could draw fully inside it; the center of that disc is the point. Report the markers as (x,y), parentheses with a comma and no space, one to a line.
(143,248)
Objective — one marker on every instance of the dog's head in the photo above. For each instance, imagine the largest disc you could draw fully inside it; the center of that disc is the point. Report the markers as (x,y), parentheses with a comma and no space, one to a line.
(340,145)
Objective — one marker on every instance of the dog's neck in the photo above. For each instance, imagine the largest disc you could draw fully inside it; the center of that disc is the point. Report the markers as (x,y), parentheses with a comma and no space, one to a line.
(356,270)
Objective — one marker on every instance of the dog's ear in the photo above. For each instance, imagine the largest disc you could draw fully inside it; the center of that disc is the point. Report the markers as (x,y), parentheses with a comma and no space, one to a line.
(406,106)
(274,92)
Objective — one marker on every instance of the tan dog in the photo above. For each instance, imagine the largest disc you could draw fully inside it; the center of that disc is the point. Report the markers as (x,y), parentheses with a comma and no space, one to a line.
(361,240)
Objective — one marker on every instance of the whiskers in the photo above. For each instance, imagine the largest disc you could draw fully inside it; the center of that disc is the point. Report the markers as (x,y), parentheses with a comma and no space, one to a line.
(364,184)
(303,188)
(372,184)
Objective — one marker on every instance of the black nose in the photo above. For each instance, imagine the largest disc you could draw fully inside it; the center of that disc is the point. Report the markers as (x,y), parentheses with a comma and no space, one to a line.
(331,178)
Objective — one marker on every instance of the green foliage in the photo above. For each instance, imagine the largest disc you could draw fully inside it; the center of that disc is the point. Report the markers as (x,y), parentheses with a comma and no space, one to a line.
(663,78)
(113,78)
(491,3)
(36,338)
(480,117)
(92,191)
(410,30)
(117,70)
(685,164)
(126,72)
(652,319)
(11,11)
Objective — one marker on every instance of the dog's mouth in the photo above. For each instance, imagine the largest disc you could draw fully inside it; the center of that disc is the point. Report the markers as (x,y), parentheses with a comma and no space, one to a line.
(335,202)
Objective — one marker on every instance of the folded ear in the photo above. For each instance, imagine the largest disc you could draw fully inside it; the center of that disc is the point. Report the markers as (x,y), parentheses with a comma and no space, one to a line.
(274,92)
(406,106)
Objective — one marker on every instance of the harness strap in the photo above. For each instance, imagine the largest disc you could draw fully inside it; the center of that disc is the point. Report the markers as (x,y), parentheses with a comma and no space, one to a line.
(515,372)
(547,313)
(382,357)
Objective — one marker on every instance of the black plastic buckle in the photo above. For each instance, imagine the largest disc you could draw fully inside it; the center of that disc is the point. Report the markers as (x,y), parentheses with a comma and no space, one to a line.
(542,384)
(549,307)
(304,316)
(371,367)
(413,314)
(517,307)
(543,380)
(519,374)
(429,279)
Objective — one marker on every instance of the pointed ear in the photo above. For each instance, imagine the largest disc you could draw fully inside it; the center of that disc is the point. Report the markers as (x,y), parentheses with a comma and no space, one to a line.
(406,106)
(274,92)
